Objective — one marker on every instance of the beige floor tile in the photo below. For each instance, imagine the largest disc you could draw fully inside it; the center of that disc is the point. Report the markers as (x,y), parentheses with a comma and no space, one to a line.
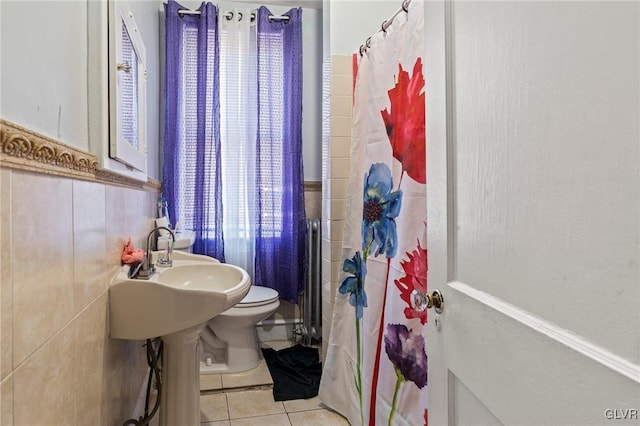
(317,418)
(220,423)
(274,420)
(213,407)
(210,382)
(254,377)
(252,404)
(303,404)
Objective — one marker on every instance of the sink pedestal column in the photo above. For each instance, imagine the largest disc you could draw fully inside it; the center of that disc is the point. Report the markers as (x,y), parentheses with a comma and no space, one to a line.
(180,402)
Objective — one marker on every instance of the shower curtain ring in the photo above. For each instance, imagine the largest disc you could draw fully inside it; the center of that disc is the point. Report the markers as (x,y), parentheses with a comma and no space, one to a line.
(229,16)
(368,42)
(239,16)
(384,28)
(405,5)
(361,48)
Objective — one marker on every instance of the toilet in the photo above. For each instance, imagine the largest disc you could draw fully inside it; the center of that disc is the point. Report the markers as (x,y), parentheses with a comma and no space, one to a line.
(229,341)
(183,241)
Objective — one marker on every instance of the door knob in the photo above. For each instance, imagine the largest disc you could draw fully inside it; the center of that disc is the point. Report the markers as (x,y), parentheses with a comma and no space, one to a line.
(421,301)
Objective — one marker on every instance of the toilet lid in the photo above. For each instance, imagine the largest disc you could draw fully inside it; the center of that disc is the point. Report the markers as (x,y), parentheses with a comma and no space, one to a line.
(183,240)
(258,296)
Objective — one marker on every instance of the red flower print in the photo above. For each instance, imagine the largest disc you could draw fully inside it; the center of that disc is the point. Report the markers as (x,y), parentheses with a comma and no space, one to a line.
(405,122)
(415,278)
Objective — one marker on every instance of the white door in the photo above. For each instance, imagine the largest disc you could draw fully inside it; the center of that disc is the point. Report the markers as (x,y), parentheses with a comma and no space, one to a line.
(533,196)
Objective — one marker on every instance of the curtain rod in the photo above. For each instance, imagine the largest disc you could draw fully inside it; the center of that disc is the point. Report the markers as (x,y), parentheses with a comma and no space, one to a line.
(385,24)
(229,15)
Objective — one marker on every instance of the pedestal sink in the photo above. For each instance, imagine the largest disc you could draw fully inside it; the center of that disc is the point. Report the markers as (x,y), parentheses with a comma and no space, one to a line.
(175,304)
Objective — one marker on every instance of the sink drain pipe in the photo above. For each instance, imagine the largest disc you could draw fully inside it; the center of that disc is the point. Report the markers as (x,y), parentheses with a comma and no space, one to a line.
(154,358)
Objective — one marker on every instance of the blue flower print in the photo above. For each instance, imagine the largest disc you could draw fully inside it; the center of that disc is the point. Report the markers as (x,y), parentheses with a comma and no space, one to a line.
(379,210)
(355,284)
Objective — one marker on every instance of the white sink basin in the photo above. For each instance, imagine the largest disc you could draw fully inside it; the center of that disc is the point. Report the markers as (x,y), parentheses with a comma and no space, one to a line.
(174,304)
(183,255)
(206,277)
(176,298)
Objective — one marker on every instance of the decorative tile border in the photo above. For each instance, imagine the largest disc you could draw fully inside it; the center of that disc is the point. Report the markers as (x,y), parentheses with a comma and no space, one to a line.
(313,185)
(116,179)
(24,149)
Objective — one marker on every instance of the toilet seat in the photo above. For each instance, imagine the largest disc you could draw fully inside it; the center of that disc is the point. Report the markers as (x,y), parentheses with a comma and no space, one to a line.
(257,296)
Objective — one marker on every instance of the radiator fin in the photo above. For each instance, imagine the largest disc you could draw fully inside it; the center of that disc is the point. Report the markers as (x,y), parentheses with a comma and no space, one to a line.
(311,306)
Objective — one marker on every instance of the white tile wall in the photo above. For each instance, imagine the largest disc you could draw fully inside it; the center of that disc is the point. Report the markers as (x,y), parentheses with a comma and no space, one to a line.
(337,110)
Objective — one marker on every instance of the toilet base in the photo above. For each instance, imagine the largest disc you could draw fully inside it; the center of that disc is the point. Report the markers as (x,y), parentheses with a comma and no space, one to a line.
(223,368)
(230,340)
(242,353)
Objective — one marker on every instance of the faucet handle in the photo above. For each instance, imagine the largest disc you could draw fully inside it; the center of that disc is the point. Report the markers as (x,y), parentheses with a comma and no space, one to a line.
(145,270)
(134,270)
(165,263)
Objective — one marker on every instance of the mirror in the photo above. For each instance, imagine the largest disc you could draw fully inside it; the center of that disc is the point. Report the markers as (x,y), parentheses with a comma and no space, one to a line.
(127,97)
(117,77)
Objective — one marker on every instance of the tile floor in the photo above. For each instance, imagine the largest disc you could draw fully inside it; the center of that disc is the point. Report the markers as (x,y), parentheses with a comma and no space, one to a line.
(246,399)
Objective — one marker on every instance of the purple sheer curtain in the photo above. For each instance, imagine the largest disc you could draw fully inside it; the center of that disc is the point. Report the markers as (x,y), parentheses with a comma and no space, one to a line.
(280,250)
(192,182)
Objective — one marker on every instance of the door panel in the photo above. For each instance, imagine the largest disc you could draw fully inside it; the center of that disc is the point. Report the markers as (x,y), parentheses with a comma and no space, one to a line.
(466,409)
(547,159)
(526,370)
(533,203)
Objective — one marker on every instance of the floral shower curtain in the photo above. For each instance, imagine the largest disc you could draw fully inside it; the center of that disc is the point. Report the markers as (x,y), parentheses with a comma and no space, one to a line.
(376,366)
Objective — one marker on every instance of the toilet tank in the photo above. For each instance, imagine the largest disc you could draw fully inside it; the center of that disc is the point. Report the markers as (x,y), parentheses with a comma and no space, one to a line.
(184,241)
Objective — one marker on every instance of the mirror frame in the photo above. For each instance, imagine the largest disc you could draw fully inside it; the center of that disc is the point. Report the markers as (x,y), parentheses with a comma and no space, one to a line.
(103,127)
(121,149)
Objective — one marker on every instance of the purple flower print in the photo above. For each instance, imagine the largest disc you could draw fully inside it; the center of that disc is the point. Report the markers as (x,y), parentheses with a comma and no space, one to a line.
(406,351)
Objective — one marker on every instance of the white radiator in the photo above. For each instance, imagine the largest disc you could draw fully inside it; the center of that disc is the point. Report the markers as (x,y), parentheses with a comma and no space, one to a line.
(311,303)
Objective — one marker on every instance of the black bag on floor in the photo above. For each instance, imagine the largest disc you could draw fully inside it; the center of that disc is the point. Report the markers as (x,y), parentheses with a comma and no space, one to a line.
(295,372)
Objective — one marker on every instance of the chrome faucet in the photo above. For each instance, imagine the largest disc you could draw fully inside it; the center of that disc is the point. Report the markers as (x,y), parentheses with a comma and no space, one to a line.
(147,269)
